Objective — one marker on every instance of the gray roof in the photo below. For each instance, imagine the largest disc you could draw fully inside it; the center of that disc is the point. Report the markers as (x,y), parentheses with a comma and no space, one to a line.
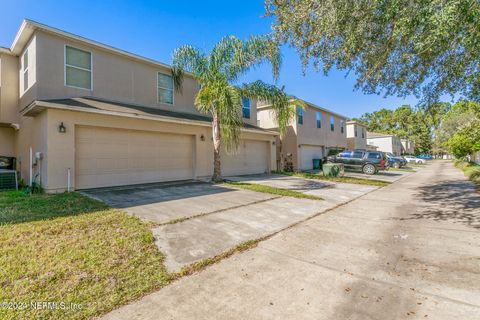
(108,105)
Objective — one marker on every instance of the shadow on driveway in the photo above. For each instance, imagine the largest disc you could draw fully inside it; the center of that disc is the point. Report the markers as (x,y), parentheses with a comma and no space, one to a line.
(454,201)
(131,196)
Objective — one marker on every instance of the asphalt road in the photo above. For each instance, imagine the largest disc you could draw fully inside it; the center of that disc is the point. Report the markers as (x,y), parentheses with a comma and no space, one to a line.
(407,251)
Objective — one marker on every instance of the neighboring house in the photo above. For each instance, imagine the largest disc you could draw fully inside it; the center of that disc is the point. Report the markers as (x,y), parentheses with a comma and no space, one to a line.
(313,134)
(77,113)
(408,146)
(385,142)
(356,135)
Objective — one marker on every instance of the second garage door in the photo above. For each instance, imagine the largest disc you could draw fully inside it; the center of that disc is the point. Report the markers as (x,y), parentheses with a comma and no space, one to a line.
(250,158)
(113,157)
(307,154)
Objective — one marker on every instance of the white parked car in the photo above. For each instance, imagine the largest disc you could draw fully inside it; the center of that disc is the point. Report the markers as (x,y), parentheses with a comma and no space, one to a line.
(415,159)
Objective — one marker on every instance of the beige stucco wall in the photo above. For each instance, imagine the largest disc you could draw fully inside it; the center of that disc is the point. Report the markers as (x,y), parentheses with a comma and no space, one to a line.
(356,142)
(115,77)
(32,134)
(61,146)
(305,134)
(8,88)
(408,147)
(387,144)
(7,147)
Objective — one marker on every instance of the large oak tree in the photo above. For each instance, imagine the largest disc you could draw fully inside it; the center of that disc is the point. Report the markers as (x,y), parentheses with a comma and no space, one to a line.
(424,47)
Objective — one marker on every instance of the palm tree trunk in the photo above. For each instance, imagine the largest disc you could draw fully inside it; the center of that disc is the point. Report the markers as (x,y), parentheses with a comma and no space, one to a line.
(217,166)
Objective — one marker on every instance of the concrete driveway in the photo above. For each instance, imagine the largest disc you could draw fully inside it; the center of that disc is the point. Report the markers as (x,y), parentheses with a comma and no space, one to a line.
(387,176)
(200,220)
(410,250)
(165,202)
(335,193)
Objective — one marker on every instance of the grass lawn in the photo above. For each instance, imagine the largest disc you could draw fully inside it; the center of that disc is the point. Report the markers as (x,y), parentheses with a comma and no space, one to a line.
(72,249)
(272,190)
(471,170)
(320,176)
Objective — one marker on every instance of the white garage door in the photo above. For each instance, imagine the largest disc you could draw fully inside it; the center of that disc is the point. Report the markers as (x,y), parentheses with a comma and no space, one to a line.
(114,157)
(307,154)
(250,158)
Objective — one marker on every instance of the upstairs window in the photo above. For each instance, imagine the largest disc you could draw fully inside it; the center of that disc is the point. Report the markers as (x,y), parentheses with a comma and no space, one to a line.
(25,70)
(356,132)
(332,123)
(342,129)
(164,88)
(246,108)
(363,132)
(78,68)
(319,120)
(300,115)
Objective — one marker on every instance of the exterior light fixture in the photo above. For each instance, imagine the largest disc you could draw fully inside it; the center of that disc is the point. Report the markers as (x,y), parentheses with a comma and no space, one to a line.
(202,137)
(61,128)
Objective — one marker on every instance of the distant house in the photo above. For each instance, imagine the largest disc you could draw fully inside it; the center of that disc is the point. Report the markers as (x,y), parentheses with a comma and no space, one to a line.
(356,135)
(314,133)
(408,146)
(385,142)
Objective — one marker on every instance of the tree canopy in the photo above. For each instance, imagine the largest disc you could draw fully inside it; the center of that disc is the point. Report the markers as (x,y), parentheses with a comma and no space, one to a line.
(459,132)
(418,124)
(426,47)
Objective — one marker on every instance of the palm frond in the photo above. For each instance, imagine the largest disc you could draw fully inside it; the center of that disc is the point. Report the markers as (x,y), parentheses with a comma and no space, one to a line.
(188,59)
(283,106)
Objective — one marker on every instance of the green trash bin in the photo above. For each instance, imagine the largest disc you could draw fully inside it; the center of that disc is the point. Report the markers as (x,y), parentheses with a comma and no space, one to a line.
(333,169)
(317,164)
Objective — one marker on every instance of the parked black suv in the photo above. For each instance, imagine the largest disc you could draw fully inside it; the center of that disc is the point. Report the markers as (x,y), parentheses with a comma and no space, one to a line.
(370,162)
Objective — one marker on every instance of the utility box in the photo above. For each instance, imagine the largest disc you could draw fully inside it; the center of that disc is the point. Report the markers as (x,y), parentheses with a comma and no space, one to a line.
(333,169)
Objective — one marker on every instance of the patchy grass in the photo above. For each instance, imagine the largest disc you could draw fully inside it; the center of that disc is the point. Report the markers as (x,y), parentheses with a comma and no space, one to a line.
(272,190)
(471,170)
(72,249)
(320,176)
(202,264)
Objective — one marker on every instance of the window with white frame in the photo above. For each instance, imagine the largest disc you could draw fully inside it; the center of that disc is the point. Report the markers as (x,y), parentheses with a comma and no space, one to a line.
(332,123)
(319,119)
(78,68)
(25,70)
(164,88)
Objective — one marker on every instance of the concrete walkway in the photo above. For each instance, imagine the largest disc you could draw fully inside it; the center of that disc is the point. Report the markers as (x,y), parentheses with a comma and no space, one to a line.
(407,251)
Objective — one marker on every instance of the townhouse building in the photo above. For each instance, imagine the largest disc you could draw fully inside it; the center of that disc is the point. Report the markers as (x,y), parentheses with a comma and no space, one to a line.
(76,114)
(356,135)
(408,146)
(314,133)
(385,142)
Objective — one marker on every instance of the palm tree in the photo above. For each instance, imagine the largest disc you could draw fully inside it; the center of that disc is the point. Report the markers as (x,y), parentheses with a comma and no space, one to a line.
(217,72)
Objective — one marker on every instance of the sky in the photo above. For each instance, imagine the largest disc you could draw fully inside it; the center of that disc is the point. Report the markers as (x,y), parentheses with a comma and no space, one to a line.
(153,29)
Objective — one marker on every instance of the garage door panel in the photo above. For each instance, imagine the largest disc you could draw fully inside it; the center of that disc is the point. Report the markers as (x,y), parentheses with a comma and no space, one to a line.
(251,157)
(307,154)
(110,157)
